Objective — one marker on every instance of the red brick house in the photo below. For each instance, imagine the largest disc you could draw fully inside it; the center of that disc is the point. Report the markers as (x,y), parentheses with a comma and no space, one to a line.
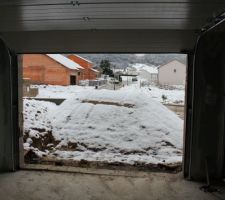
(88,72)
(52,69)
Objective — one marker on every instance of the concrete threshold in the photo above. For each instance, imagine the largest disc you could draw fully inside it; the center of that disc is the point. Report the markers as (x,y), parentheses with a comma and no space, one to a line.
(93,171)
(50,185)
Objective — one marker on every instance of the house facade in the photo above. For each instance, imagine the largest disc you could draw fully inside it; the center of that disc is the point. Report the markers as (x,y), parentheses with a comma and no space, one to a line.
(52,69)
(88,72)
(147,72)
(150,76)
(172,73)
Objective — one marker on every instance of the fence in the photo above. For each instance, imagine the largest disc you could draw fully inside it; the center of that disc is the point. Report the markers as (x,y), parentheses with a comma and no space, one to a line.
(28,91)
(97,82)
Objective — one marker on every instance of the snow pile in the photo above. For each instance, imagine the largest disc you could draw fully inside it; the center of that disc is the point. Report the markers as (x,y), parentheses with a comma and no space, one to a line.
(37,124)
(63,92)
(36,115)
(146,133)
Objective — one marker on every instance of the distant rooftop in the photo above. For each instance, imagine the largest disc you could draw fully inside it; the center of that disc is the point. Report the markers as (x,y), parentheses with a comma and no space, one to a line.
(149,68)
(65,61)
(83,58)
(173,61)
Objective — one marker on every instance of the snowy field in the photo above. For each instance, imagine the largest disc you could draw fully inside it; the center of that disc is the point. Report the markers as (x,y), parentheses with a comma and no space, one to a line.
(129,125)
(173,96)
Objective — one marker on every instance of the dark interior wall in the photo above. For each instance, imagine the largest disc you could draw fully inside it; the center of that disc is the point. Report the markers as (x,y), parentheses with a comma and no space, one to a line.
(16,91)
(6,126)
(9,130)
(207,143)
(188,114)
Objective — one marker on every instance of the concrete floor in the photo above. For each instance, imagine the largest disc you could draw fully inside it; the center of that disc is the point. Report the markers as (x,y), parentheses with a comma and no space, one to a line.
(40,185)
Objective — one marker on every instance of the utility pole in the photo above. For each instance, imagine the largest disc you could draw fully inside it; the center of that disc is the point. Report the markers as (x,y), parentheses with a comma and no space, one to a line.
(114,78)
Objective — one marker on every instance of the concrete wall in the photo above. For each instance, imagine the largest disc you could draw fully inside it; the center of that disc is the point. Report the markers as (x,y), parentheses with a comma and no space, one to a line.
(41,69)
(173,73)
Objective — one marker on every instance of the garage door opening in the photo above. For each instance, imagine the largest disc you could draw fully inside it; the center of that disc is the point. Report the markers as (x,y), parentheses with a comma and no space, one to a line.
(104,110)
(73,80)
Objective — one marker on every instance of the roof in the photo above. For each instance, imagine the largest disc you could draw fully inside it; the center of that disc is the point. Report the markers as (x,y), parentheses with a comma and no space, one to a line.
(95,70)
(65,61)
(173,61)
(149,68)
(83,58)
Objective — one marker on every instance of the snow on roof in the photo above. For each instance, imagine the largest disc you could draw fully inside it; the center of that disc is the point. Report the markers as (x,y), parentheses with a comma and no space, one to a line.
(149,68)
(173,61)
(95,70)
(83,58)
(65,61)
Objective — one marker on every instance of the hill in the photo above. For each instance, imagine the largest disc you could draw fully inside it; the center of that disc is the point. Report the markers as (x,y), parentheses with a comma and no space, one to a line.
(123,60)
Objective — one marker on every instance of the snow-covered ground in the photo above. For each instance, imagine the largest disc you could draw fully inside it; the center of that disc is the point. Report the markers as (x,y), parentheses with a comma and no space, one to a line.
(173,96)
(128,125)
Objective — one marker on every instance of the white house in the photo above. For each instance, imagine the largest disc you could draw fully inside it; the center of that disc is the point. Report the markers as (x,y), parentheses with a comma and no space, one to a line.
(172,73)
(147,72)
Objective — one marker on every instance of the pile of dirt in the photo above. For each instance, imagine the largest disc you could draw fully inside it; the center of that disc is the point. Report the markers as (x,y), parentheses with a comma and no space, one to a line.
(171,168)
(44,141)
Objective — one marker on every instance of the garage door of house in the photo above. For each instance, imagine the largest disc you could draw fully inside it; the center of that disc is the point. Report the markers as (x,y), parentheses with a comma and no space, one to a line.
(206,155)
(73,80)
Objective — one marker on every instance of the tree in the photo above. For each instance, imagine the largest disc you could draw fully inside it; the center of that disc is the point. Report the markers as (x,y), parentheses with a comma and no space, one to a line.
(106,67)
